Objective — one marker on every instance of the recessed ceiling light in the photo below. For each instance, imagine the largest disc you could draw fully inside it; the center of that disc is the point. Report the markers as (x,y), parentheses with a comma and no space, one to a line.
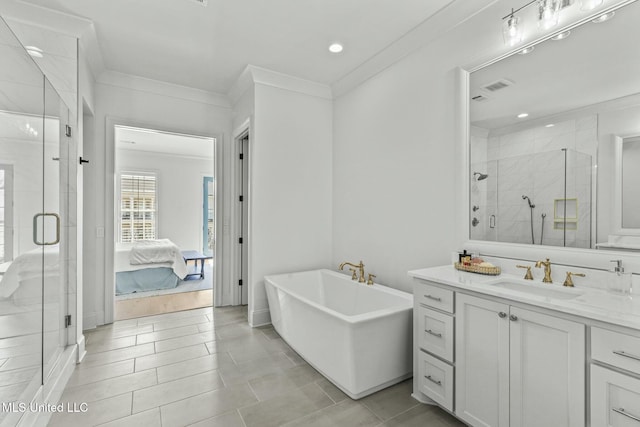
(550,125)
(335,48)
(561,36)
(526,50)
(603,18)
(34,51)
(523,115)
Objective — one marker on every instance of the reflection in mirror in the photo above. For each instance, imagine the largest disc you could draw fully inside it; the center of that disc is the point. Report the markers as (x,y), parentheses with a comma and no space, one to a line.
(631,182)
(542,125)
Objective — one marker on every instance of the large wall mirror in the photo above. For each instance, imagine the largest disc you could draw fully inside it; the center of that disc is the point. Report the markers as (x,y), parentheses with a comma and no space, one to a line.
(555,140)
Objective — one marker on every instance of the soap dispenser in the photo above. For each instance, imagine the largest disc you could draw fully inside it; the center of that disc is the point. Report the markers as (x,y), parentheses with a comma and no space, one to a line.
(620,282)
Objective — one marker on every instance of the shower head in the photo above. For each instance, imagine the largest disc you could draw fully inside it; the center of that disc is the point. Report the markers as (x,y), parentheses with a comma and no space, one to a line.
(480,176)
(531,205)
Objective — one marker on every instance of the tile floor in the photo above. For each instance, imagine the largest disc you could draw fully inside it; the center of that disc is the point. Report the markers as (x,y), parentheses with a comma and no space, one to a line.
(207,367)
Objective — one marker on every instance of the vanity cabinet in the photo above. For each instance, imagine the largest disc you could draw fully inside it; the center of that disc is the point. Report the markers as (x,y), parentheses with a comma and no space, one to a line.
(517,367)
(615,387)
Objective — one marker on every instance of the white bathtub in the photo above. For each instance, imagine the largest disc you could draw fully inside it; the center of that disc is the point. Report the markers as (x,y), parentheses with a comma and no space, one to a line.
(358,336)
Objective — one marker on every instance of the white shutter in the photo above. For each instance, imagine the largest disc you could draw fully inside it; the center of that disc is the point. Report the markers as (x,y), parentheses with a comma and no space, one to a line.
(137,207)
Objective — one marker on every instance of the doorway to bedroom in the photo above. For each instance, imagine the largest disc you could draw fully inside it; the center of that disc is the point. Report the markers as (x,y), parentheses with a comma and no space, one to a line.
(164,258)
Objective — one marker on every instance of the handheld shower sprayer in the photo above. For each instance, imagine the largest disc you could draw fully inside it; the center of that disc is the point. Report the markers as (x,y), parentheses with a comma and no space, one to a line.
(480,176)
(531,205)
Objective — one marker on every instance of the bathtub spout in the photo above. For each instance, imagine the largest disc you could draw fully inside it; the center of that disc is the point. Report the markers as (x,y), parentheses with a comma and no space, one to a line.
(360,268)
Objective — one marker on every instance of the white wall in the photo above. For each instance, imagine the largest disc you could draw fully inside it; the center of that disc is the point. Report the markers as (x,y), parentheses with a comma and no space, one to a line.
(396,166)
(179,192)
(290,188)
(140,102)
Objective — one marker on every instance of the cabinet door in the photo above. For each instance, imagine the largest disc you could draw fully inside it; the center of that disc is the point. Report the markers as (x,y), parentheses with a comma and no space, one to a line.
(615,398)
(547,370)
(482,361)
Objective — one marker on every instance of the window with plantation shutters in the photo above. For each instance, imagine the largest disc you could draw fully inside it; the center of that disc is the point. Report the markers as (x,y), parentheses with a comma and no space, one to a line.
(137,207)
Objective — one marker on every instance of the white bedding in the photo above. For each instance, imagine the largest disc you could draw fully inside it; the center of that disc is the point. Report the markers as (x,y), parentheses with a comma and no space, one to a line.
(149,254)
(28,266)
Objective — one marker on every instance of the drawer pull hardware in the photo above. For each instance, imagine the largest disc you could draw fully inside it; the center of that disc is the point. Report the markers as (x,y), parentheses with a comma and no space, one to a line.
(623,354)
(513,317)
(621,411)
(432,380)
(433,298)
(435,334)
(502,314)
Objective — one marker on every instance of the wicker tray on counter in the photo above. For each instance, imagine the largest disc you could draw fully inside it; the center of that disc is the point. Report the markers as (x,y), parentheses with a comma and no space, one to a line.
(474,268)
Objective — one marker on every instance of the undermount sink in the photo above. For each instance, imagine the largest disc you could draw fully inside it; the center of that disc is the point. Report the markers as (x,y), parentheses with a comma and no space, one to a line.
(544,290)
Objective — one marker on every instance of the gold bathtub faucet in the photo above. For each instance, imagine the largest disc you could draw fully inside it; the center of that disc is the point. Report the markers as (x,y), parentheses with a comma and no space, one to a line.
(360,268)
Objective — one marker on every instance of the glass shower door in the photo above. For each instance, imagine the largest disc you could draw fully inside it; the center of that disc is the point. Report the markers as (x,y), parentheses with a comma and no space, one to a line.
(21,154)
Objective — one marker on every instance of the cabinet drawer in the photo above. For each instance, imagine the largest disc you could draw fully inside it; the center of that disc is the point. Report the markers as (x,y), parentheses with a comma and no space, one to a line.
(615,398)
(435,333)
(433,296)
(436,379)
(616,349)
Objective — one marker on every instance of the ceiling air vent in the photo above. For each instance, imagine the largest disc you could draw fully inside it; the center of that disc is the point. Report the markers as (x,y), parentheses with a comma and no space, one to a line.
(497,85)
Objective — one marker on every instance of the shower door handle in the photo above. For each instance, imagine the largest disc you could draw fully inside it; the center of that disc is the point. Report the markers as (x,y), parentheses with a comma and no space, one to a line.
(35,228)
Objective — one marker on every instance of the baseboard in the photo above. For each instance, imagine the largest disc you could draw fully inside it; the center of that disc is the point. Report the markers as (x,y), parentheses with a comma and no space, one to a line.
(89,321)
(259,318)
(52,392)
(81,348)
(423,399)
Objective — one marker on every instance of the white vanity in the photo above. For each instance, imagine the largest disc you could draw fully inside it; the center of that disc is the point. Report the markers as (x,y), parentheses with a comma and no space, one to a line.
(501,351)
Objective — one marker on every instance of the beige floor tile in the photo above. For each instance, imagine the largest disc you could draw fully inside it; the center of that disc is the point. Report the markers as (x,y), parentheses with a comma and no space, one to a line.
(244,372)
(206,405)
(391,401)
(175,315)
(167,333)
(286,407)
(331,390)
(150,418)
(98,346)
(169,324)
(110,387)
(99,412)
(230,419)
(102,372)
(112,332)
(422,415)
(184,341)
(172,391)
(345,414)
(273,385)
(117,355)
(204,327)
(191,367)
(169,357)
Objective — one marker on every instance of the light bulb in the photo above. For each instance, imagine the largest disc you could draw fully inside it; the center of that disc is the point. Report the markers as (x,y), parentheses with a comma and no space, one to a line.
(512,30)
(548,13)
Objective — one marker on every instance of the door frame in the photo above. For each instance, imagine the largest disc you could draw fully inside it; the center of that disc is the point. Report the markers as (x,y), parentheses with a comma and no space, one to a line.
(240,253)
(205,211)
(111,208)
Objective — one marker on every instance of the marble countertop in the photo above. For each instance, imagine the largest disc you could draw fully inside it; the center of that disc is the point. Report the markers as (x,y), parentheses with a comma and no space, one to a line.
(585,302)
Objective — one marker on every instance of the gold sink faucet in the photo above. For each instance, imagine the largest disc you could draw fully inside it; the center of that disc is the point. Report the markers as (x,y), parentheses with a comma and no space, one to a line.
(547,270)
(360,268)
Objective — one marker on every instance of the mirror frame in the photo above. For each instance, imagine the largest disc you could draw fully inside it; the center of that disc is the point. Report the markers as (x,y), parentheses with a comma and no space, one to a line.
(617,201)
(578,257)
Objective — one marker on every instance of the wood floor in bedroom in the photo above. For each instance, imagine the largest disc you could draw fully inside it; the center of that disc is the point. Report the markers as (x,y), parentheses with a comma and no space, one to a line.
(161,304)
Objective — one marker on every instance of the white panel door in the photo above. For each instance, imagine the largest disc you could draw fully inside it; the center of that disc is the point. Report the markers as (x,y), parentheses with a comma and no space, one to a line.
(482,361)
(547,370)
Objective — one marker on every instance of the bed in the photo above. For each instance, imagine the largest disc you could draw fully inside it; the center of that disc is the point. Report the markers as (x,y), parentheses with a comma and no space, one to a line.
(148,265)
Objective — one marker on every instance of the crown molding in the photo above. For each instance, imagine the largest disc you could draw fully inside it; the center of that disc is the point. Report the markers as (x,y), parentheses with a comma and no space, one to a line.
(129,81)
(253,75)
(434,27)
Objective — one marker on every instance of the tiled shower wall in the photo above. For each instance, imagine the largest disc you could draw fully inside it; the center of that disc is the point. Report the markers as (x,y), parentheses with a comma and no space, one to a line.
(531,162)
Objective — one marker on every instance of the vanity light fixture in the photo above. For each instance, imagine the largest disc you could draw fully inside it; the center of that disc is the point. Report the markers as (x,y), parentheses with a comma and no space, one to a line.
(512,29)
(561,36)
(550,125)
(335,48)
(526,50)
(603,18)
(548,13)
(34,51)
(523,115)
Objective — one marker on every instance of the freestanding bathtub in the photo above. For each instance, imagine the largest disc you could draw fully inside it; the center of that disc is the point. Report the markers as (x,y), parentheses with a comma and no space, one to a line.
(358,336)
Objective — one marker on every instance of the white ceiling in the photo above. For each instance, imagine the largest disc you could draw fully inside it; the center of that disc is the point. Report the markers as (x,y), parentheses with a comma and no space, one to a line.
(182,42)
(596,63)
(146,140)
